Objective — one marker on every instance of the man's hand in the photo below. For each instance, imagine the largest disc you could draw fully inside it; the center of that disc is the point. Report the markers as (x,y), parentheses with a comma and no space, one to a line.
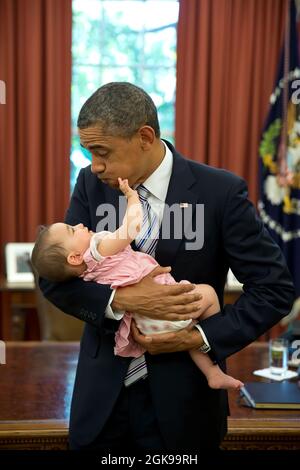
(157,301)
(182,340)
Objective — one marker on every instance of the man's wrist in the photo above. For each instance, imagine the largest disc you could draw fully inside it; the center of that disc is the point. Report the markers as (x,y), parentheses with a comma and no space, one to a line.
(112,312)
(204,345)
(115,304)
(197,340)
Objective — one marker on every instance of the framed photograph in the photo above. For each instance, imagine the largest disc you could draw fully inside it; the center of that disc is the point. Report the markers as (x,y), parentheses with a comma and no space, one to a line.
(17,256)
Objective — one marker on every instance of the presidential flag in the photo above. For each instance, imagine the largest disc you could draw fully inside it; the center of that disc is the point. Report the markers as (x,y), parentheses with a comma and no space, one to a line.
(279,150)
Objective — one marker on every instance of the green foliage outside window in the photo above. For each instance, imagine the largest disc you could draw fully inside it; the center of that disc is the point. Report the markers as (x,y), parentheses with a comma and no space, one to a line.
(123,40)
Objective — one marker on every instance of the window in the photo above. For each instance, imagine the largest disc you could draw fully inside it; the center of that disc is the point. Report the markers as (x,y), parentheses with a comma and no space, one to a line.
(122,40)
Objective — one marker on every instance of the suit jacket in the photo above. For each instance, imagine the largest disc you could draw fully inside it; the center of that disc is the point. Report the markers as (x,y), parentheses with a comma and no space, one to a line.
(233,237)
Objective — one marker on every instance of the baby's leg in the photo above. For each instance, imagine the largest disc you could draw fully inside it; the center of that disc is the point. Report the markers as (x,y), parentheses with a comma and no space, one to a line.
(210,302)
(215,376)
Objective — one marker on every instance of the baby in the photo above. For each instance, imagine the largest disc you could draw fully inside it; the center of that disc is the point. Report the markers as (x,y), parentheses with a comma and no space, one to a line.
(62,252)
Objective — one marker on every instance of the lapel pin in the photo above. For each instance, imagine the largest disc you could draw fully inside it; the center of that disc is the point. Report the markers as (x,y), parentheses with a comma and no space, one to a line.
(183,205)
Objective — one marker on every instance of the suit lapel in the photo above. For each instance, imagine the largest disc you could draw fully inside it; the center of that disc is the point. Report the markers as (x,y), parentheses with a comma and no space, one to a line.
(179,192)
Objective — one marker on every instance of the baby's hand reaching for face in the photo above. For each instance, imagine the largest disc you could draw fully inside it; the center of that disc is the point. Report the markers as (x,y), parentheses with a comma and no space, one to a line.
(126,189)
(134,212)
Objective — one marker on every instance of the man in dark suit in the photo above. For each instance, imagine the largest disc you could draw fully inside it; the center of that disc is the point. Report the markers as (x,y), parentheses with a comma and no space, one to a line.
(172,408)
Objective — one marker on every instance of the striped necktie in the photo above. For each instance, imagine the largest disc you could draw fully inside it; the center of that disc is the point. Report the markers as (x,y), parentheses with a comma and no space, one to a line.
(146,241)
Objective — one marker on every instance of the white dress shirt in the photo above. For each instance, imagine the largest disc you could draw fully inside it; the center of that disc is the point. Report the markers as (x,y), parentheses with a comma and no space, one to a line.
(157,184)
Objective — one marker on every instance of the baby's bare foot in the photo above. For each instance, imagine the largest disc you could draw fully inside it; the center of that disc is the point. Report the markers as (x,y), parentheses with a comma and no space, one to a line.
(220,380)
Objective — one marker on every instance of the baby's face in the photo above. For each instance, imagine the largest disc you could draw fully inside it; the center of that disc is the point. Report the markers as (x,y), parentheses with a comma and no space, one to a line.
(72,237)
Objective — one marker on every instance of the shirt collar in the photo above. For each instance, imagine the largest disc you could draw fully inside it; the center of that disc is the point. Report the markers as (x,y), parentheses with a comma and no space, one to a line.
(158,181)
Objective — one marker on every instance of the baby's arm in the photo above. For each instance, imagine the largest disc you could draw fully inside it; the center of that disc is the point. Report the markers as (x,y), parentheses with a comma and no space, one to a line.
(209,302)
(116,241)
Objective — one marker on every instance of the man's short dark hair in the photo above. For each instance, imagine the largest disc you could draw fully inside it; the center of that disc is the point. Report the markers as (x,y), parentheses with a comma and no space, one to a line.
(120,108)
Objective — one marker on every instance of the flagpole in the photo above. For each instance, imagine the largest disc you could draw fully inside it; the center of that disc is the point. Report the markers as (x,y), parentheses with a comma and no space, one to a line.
(282,151)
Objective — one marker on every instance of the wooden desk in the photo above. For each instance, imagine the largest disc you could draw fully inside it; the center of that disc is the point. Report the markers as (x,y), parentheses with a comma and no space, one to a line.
(17,295)
(35,394)
(250,429)
(37,383)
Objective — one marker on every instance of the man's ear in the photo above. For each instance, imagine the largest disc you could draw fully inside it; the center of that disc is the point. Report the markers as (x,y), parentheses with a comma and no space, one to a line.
(147,136)
(75,258)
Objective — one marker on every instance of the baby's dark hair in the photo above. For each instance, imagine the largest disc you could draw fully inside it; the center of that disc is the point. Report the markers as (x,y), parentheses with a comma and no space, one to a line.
(49,258)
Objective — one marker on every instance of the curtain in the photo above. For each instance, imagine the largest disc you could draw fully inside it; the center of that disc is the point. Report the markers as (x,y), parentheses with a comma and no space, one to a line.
(35,64)
(227,57)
